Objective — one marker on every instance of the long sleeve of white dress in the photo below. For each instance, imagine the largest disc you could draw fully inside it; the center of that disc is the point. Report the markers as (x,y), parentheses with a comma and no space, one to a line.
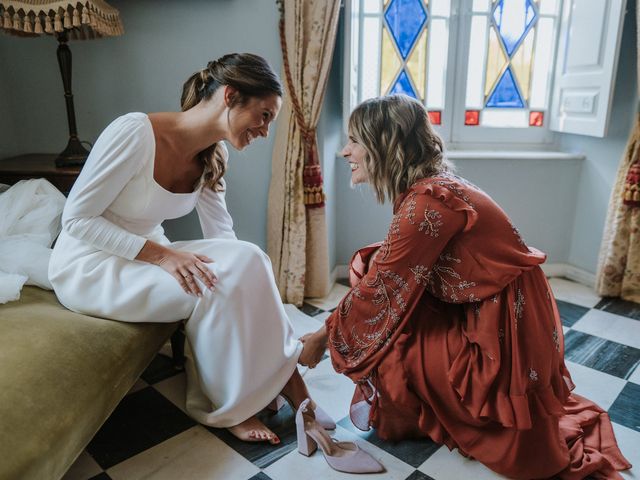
(117,156)
(214,217)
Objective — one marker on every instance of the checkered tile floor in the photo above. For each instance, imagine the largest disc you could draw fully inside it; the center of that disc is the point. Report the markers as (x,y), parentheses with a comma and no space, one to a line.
(150,436)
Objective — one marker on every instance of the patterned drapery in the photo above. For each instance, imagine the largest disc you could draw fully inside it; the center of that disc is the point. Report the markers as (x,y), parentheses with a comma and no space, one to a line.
(297,232)
(619,262)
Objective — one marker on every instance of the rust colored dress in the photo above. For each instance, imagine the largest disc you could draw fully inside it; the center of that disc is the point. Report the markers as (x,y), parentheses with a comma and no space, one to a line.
(454,334)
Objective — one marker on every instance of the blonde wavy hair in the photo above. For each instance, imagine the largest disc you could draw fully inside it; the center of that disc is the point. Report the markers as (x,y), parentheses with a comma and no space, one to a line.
(400,142)
(251,76)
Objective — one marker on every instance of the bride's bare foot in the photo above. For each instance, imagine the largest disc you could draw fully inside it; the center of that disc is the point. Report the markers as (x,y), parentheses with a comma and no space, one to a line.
(253,430)
(295,391)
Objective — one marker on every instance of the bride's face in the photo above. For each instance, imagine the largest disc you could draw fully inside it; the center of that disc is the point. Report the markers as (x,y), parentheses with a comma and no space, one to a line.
(355,154)
(252,120)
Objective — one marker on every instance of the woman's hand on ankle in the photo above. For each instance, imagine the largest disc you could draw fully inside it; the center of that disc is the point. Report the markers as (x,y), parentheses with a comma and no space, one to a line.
(314,346)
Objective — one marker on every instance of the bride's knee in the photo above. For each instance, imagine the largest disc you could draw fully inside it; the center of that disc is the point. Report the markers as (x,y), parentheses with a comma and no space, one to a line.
(250,251)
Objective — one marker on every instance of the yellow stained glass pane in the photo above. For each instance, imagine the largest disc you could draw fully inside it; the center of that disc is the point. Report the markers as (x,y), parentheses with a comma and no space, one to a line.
(496,62)
(386,2)
(522,62)
(417,64)
(390,63)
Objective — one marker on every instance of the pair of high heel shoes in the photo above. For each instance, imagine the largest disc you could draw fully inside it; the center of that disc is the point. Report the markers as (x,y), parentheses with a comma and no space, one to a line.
(342,456)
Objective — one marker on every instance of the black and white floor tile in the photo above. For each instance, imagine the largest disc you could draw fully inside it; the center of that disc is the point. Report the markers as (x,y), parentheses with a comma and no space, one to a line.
(149,435)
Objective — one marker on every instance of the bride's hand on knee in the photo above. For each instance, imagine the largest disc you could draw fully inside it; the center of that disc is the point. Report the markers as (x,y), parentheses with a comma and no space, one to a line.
(185,267)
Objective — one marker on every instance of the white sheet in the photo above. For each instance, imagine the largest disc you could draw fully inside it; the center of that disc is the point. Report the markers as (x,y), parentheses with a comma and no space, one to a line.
(29,223)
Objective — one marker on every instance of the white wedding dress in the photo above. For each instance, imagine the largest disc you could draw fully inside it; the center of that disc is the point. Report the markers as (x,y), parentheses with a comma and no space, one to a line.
(240,345)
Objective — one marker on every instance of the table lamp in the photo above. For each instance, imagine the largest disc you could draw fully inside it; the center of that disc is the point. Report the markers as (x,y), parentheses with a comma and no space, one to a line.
(66,20)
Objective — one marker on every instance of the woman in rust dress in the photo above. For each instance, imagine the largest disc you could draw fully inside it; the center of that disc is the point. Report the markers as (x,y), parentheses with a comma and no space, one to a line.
(450,329)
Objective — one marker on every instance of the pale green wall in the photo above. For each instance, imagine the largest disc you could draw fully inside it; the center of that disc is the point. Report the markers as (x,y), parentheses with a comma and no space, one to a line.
(558,206)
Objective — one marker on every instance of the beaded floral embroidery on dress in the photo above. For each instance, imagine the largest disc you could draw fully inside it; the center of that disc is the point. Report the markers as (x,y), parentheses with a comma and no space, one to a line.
(389,295)
(518,306)
(431,223)
(448,281)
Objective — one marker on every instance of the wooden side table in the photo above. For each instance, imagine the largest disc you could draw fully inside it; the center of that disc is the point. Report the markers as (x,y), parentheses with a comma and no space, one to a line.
(37,165)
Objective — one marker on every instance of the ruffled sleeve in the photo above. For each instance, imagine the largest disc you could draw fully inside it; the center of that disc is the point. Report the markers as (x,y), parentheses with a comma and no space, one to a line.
(372,314)
(118,155)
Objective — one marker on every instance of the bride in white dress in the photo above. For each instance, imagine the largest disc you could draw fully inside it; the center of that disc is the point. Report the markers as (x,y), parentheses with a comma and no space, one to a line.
(113,260)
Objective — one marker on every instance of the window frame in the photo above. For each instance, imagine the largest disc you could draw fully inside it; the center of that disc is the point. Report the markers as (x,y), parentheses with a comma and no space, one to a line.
(454,132)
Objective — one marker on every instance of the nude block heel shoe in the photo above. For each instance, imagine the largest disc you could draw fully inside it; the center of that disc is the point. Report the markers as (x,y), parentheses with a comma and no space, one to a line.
(341,456)
(322,417)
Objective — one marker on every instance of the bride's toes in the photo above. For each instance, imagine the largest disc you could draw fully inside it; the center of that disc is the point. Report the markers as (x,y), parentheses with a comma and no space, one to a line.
(253,430)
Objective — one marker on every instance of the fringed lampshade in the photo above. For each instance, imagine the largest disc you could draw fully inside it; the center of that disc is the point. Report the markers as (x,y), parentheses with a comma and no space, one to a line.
(66,20)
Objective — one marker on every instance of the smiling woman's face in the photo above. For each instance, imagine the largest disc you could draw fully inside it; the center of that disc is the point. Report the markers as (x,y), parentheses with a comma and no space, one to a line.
(355,154)
(251,120)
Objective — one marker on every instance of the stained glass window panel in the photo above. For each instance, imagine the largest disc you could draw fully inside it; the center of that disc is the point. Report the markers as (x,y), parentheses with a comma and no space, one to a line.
(435,117)
(521,64)
(549,7)
(506,94)
(405,19)
(536,119)
(504,117)
(477,58)
(402,47)
(510,59)
(471,117)
(403,85)
(370,6)
(541,75)
(437,62)
(417,64)
(481,5)
(496,63)
(370,79)
(512,19)
(439,8)
(390,64)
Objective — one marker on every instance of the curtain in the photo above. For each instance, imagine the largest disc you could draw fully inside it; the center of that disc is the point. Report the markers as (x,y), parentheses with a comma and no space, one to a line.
(619,262)
(297,231)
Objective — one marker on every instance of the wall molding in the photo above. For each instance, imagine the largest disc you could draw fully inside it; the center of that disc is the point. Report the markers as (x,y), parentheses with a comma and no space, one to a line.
(565,270)
(571,272)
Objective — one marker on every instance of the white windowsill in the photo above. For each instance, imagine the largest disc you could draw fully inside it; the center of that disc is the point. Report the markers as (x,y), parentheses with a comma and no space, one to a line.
(511,155)
(506,155)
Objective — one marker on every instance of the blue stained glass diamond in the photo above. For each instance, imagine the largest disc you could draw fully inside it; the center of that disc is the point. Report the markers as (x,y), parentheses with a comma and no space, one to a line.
(403,85)
(506,94)
(405,19)
(513,19)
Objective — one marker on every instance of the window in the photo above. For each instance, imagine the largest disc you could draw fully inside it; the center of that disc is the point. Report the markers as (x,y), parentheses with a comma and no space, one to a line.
(404,50)
(511,45)
(484,69)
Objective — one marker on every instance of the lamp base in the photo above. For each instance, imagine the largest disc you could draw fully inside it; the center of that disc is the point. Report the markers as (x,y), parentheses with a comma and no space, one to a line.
(72,156)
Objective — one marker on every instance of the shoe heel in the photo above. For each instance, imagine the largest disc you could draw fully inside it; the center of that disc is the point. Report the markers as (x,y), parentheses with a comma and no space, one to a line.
(306,444)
